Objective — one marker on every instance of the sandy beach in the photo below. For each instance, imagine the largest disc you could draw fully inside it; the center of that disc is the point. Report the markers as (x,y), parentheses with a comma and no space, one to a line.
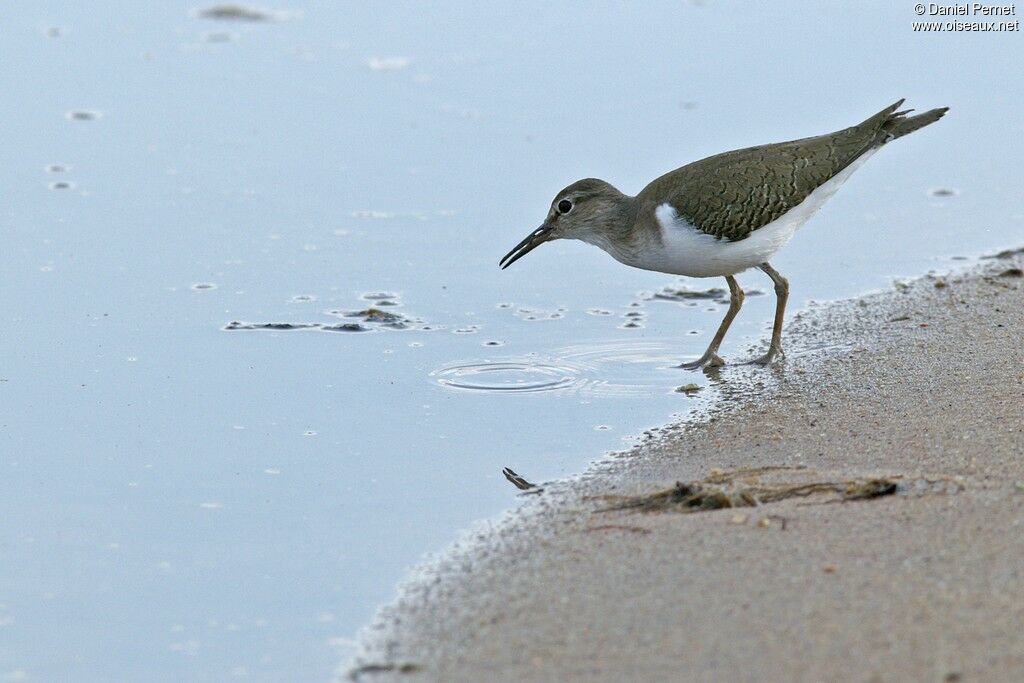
(886,458)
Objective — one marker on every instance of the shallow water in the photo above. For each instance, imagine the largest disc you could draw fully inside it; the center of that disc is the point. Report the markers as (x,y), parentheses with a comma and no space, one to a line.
(184,501)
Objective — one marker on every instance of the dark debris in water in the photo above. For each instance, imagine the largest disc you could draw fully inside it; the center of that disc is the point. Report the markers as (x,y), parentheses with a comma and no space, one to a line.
(237,12)
(359,672)
(684,294)
(369,319)
(376,316)
(745,488)
(239,325)
(82,115)
(345,327)
(287,327)
(518,481)
(1012,272)
(716,294)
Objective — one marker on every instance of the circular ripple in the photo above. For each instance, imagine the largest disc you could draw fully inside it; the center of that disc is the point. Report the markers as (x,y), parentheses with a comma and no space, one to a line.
(616,369)
(506,377)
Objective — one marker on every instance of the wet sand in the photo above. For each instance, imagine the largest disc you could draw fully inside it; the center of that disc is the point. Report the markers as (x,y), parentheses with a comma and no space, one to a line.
(922,385)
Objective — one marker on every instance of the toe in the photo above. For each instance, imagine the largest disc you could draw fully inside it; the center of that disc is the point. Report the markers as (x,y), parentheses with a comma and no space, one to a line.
(768,357)
(706,361)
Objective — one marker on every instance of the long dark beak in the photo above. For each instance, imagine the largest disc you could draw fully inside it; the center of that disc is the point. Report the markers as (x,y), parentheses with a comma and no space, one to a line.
(533,240)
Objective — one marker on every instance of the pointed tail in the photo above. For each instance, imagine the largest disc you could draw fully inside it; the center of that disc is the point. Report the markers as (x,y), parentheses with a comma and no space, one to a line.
(894,124)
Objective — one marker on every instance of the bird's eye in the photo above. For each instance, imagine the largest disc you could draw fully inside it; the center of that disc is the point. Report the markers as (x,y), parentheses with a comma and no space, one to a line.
(564,206)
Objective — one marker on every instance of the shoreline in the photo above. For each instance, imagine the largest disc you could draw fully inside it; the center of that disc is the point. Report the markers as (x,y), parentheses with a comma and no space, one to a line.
(921,386)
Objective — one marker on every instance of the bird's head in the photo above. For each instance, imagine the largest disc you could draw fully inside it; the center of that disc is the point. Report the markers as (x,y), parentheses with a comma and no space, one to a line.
(590,210)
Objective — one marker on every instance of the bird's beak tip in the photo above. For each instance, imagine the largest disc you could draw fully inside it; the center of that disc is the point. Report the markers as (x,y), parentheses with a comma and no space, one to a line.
(533,240)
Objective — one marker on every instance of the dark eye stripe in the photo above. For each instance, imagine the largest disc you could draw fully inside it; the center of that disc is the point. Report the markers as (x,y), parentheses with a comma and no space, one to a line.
(564,206)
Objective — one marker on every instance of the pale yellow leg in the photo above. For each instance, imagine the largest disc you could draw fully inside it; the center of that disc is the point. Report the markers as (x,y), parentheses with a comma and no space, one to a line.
(711,357)
(781,296)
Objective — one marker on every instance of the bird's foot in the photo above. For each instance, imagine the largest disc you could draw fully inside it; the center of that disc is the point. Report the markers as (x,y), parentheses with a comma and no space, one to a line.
(708,360)
(767,358)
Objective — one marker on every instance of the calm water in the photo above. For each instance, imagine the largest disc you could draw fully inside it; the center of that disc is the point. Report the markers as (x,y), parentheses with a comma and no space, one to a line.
(182,502)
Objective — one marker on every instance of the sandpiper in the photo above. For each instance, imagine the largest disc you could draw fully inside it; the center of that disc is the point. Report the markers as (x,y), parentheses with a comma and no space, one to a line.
(721,215)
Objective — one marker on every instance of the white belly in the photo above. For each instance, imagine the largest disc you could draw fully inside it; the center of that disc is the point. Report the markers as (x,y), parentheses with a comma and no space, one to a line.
(685,250)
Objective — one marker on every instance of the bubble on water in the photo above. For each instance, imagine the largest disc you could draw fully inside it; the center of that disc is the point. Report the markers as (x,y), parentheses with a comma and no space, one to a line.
(220,37)
(271,470)
(309,432)
(387,63)
(372,214)
(601,428)
(537,314)
(372,296)
(211,505)
(598,311)
(415,345)
(301,298)
(58,168)
(62,185)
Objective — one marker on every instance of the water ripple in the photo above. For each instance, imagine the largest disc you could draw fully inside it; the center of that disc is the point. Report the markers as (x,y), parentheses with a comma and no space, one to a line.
(608,369)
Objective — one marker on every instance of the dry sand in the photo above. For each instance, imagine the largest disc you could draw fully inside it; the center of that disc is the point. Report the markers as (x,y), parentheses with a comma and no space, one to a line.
(924,383)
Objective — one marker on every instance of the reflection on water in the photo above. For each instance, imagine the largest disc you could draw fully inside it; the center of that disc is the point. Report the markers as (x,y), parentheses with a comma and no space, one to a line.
(182,502)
